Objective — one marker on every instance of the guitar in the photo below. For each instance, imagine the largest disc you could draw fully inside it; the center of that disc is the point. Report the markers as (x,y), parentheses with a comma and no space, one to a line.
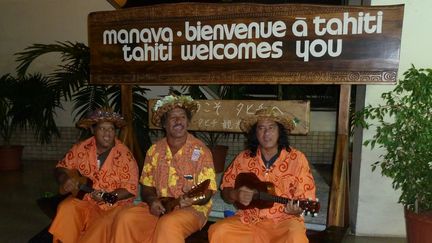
(85,185)
(197,193)
(265,197)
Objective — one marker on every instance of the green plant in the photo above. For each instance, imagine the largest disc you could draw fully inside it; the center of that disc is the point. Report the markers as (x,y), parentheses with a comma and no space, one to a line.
(72,79)
(28,102)
(404,130)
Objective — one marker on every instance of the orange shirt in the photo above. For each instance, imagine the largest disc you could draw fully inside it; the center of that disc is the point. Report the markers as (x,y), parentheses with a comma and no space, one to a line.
(173,175)
(119,170)
(290,175)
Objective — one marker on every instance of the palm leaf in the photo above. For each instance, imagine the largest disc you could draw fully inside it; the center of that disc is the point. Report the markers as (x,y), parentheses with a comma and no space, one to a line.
(140,112)
(34,105)
(71,75)
(71,80)
(89,98)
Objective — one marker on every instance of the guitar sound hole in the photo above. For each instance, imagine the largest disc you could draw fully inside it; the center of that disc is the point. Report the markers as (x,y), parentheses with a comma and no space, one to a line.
(110,198)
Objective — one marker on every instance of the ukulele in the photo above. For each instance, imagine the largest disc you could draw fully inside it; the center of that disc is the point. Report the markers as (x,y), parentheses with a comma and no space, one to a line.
(85,185)
(265,197)
(197,193)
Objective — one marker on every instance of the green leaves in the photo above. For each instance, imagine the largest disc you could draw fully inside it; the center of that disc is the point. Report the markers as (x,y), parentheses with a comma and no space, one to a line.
(404,129)
(28,102)
(71,81)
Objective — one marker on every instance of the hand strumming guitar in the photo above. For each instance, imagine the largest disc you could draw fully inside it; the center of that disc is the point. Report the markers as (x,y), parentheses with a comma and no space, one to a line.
(148,195)
(69,185)
(243,195)
(186,201)
(65,183)
(156,208)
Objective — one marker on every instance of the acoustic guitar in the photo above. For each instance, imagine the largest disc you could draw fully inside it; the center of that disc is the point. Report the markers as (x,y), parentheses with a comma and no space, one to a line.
(265,197)
(85,185)
(197,193)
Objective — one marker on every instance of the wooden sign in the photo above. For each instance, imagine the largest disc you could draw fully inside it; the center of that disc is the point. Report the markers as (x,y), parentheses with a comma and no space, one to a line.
(203,43)
(225,115)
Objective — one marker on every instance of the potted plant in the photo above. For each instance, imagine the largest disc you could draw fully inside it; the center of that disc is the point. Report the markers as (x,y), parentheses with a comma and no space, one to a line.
(72,79)
(28,102)
(404,129)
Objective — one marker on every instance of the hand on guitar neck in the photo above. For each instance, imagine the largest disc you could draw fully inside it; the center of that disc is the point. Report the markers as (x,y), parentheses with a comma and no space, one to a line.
(293,208)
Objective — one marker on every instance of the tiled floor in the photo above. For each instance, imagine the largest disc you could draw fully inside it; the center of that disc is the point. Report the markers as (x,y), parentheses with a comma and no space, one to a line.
(21,218)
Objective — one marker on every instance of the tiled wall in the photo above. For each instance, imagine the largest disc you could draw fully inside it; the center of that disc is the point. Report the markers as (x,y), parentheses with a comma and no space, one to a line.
(317,146)
(52,151)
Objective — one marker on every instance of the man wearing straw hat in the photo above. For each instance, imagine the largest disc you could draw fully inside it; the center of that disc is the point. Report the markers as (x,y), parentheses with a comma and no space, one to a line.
(172,166)
(103,167)
(269,158)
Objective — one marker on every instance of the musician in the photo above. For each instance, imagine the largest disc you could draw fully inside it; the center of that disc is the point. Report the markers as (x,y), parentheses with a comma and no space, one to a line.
(269,157)
(110,166)
(172,166)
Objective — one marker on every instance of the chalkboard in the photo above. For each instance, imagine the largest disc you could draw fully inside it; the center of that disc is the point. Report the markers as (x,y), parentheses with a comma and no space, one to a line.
(225,115)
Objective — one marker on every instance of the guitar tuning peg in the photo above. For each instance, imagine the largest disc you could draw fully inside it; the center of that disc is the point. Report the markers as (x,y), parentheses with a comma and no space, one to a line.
(314,214)
(316,200)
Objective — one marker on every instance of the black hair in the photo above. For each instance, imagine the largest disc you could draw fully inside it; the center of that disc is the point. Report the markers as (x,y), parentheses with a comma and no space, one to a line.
(253,143)
(163,118)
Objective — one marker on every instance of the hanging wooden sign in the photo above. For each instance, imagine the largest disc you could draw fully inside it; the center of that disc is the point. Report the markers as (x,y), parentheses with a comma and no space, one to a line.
(225,115)
(202,43)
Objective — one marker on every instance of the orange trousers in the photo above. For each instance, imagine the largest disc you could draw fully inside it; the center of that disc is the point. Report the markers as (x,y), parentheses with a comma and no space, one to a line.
(82,221)
(233,230)
(137,224)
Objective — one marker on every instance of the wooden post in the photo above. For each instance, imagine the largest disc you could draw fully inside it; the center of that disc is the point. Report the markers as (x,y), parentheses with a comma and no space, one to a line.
(127,135)
(339,193)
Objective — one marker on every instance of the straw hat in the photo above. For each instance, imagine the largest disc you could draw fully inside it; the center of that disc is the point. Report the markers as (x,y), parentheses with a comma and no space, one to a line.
(102,115)
(267,113)
(170,102)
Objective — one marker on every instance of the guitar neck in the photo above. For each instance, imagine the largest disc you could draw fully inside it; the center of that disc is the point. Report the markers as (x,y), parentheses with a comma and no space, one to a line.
(264,199)
(308,206)
(272,198)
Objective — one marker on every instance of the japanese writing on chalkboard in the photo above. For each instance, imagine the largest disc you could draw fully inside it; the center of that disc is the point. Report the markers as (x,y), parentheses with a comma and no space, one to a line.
(225,115)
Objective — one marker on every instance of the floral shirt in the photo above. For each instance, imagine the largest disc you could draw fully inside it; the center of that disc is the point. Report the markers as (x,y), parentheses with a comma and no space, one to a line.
(290,174)
(174,174)
(119,170)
